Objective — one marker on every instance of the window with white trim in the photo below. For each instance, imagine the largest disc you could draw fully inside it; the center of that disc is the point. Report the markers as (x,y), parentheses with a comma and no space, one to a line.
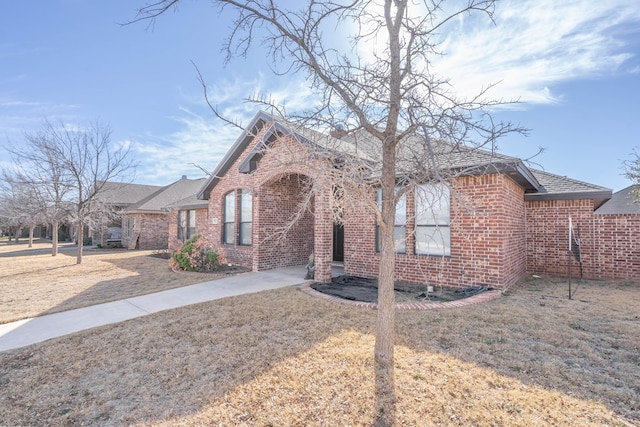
(229,218)
(400,222)
(182,225)
(191,224)
(246,216)
(186,224)
(433,219)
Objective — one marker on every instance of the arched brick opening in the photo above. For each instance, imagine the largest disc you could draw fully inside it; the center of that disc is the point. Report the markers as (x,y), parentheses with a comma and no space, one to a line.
(284,221)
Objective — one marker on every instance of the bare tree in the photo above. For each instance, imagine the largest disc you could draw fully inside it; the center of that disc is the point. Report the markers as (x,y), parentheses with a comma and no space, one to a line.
(20,206)
(632,172)
(406,122)
(68,167)
(37,167)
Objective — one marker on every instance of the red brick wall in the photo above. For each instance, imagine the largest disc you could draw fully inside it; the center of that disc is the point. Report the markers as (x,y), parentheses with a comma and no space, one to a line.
(278,188)
(153,229)
(487,245)
(610,243)
(283,243)
(618,252)
(496,237)
(548,233)
(202,217)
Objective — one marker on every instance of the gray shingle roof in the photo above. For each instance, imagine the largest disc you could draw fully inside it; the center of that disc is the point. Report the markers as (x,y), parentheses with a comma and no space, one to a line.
(412,157)
(169,197)
(557,187)
(621,202)
(125,194)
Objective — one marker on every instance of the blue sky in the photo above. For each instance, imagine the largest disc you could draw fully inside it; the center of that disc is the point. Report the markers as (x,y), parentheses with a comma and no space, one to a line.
(575,66)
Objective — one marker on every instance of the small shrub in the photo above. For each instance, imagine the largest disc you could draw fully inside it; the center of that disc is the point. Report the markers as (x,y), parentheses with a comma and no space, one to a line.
(195,255)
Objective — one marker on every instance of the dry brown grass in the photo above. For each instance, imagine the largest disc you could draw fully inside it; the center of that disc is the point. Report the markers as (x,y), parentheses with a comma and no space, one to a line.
(32,282)
(284,358)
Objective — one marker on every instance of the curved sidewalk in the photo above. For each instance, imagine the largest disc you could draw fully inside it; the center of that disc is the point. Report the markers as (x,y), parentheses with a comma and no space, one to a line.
(30,331)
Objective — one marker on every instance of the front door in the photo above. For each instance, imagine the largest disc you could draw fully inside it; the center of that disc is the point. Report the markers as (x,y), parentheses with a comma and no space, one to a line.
(338,242)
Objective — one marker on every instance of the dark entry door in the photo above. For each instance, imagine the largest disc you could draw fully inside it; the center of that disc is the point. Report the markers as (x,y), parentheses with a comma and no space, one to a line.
(338,242)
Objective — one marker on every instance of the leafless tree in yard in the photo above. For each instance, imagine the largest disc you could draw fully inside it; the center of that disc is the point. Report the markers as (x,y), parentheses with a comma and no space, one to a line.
(20,206)
(68,167)
(377,81)
(37,167)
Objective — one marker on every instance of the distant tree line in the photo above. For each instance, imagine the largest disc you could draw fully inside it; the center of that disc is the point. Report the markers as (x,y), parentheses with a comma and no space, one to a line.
(55,178)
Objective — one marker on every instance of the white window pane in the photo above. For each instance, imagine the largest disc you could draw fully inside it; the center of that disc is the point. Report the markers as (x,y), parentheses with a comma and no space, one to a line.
(401,207)
(433,240)
(228,233)
(401,211)
(432,204)
(245,233)
(246,201)
(229,207)
(192,219)
(400,237)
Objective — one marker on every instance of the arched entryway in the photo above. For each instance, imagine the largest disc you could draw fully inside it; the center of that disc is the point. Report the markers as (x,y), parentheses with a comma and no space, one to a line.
(284,217)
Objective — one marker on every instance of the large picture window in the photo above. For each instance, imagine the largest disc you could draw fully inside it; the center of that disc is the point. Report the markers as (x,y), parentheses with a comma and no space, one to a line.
(246,216)
(229,218)
(433,218)
(400,223)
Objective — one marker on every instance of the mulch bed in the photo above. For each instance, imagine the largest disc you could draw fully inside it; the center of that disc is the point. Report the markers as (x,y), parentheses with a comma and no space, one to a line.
(355,288)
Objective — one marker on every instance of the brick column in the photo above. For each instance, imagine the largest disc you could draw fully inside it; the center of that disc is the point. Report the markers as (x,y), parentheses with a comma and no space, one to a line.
(323,235)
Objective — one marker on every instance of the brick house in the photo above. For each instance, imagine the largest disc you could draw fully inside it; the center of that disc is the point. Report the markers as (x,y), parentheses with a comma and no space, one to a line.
(119,196)
(186,218)
(495,221)
(146,223)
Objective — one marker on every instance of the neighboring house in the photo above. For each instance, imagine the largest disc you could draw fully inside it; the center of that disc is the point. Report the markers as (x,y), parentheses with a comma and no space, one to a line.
(616,227)
(186,218)
(118,196)
(146,222)
(495,221)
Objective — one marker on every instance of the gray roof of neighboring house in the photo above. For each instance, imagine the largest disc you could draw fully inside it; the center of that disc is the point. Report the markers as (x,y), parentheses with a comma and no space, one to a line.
(125,194)
(621,202)
(169,197)
(191,202)
(557,187)
(462,160)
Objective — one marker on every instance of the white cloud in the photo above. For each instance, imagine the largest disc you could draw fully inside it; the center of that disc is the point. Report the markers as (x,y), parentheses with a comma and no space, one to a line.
(202,139)
(533,46)
(536,44)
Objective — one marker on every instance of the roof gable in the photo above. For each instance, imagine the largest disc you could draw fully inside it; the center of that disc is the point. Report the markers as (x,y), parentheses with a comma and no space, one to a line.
(254,127)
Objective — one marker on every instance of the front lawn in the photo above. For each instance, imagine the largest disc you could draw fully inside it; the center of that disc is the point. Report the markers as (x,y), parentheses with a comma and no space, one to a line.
(285,358)
(32,282)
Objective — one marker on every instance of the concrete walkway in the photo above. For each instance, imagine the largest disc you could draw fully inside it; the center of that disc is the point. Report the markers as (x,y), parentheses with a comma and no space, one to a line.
(30,331)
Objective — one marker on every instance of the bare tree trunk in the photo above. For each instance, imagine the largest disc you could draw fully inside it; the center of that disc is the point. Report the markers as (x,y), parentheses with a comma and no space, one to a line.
(385,327)
(80,239)
(54,238)
(31,227)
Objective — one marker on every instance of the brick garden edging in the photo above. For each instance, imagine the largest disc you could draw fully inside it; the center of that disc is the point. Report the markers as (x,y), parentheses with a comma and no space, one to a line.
(475,299)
